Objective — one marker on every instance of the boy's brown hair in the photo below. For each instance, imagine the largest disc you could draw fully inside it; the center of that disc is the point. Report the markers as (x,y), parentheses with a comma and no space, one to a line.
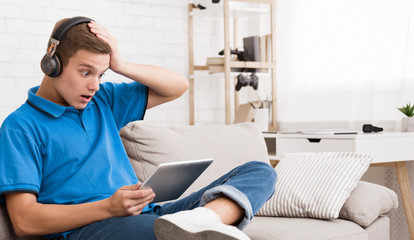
(76,38)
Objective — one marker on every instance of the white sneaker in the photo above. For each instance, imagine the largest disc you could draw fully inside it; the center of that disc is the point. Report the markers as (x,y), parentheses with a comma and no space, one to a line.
(200,223)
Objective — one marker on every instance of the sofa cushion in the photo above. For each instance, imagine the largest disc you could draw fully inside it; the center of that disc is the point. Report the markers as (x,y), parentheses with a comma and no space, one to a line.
(148,145)
(282,228)
(367,202)
(315,184)
(5,228)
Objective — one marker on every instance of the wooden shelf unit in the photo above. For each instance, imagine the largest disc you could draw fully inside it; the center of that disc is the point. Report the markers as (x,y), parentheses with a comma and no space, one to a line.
(229,64)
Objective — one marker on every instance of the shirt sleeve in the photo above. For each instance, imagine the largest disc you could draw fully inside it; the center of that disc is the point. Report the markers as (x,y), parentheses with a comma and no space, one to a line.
(20,163)
(128,101)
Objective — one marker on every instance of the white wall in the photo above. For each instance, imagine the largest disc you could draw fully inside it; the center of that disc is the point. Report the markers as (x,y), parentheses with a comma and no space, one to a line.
(148,32)
(346,61)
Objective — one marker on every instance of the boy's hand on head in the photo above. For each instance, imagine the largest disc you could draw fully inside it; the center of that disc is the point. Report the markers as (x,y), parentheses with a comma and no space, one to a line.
(116,61)
(130,200)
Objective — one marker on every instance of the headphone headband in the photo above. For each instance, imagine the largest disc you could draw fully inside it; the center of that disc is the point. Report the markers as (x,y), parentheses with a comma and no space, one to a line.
(68,24)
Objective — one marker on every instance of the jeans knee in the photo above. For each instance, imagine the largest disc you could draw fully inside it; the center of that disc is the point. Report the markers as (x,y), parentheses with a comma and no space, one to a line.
(265,171)
(272,174)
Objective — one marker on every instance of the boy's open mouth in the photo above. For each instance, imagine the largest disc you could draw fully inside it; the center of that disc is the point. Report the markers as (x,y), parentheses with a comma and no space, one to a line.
(87,97)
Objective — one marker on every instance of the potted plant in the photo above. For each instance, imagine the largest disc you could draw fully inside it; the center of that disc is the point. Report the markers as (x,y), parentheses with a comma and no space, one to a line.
(407,124)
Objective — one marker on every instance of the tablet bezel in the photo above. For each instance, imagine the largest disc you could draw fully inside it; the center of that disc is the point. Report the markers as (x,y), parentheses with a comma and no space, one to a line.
(170,180)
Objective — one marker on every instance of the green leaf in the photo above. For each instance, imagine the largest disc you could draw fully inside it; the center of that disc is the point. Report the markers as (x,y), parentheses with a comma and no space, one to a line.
(407,110)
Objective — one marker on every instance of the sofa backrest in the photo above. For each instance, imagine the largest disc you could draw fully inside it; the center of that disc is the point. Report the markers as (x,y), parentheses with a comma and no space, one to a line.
(149,144)
(5,227)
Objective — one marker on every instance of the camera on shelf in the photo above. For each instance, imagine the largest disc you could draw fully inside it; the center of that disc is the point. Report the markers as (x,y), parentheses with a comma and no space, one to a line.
(250,53)
(203,4)
(241,55)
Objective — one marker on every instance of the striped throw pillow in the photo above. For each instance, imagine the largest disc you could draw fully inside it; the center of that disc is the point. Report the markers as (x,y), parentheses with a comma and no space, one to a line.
(315,185)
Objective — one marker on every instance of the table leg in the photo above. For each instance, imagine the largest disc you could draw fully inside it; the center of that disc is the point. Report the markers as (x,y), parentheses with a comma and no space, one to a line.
(406,194)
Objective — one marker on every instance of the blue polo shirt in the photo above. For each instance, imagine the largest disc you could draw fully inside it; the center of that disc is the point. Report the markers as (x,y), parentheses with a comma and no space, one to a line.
(70,156)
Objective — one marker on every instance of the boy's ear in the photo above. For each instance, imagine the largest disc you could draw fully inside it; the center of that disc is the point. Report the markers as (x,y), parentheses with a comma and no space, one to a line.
(51,63)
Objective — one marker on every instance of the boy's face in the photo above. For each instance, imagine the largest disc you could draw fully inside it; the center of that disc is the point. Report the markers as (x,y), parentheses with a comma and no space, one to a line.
(80,78)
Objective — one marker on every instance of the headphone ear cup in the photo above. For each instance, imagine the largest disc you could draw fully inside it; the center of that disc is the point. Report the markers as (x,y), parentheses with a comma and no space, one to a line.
(51,65)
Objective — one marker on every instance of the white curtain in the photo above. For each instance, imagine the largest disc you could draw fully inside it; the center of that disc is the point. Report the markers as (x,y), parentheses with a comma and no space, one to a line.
(343,63)
(344,60)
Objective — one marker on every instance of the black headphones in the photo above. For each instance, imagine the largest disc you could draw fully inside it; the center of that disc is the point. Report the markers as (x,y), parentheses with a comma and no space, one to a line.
(51,64)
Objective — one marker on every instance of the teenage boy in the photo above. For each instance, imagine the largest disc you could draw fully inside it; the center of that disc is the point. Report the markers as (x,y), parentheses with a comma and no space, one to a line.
(65,174)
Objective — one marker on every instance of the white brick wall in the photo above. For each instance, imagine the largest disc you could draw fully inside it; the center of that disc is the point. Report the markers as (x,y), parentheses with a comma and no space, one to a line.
(148,32)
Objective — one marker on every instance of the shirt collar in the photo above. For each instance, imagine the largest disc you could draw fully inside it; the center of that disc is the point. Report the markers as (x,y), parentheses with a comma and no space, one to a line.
(47,106)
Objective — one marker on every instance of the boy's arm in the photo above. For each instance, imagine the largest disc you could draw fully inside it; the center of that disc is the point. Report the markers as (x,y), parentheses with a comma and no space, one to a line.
(32,218)
(164,85)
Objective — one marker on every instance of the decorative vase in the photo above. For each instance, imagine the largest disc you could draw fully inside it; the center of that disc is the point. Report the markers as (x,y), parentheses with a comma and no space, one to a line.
(407,124)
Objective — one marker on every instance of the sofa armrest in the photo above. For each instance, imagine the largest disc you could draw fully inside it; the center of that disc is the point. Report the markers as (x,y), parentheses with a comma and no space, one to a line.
(367,202)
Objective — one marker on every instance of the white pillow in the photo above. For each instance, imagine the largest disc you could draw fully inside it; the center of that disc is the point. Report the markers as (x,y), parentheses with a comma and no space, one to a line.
(315,185)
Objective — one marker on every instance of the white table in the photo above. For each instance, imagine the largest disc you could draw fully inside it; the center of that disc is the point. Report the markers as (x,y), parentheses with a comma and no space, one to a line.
(389,149)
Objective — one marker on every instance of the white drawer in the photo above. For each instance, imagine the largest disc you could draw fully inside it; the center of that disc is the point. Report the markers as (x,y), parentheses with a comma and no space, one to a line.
(314,145)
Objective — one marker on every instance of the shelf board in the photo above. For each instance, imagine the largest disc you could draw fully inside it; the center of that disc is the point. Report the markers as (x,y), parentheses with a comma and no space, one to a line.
(219,68)
(200,68)
(241,8)
(240,64)
(254,1)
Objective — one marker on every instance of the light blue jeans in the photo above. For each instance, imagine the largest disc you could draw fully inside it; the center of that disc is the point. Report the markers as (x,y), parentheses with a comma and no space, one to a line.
(250,185)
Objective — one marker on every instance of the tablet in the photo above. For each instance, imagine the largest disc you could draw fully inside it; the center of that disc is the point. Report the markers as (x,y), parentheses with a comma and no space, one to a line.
(170,180)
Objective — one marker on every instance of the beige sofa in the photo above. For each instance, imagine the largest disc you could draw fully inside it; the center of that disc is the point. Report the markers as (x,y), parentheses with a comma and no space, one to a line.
(363,215)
